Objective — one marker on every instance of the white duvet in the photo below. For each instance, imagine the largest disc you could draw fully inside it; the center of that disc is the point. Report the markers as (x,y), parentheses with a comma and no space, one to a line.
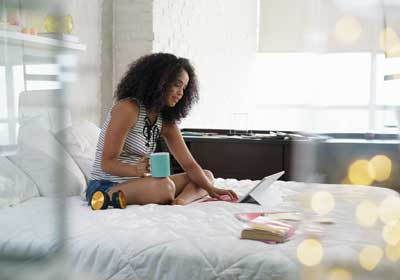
(201,240)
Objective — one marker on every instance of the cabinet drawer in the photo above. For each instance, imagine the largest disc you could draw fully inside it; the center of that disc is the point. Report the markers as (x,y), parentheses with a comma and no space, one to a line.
(239,160)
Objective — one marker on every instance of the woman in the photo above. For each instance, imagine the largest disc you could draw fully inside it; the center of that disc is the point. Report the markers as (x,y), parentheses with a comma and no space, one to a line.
(156,93)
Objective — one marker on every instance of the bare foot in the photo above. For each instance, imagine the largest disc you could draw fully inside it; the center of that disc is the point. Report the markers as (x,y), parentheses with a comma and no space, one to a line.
(178,201)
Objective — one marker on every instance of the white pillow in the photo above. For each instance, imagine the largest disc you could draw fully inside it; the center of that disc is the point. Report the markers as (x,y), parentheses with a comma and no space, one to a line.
(15,185)
(44,159)
(80,141)
(52,108)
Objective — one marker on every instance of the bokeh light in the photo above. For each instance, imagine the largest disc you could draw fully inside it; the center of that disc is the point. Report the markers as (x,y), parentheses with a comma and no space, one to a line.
(345,181)
(322,202)
(310,252)
(359,173)
(367,213)
(316,272)
(389,42)
(370,256)
(380,168)
(391,232)
(339,274)
(304,200)
(347,30)
(393,252)
(389,209)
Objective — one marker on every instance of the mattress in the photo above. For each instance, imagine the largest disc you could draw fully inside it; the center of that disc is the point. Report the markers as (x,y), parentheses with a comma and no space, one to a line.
(202,240)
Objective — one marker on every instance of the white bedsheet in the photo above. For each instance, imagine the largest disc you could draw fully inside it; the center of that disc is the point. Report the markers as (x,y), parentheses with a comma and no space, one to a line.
(200,240)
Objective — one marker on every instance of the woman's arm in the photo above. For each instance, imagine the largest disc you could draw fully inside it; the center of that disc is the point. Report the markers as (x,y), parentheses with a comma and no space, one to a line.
(179,150)
(123,116)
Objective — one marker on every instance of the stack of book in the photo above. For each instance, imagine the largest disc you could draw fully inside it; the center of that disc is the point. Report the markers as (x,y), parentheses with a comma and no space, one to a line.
(263,228)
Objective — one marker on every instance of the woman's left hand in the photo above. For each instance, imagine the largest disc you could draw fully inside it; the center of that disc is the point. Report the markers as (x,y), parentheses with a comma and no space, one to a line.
(217,193)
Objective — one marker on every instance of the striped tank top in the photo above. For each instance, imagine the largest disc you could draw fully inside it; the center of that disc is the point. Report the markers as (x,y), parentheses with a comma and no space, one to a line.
(140,141)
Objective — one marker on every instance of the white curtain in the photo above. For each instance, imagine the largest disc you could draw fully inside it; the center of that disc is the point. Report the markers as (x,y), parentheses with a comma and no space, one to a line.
(390,39)
(329,26)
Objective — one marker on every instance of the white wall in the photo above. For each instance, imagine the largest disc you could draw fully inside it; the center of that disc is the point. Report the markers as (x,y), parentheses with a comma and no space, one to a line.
(86,95)
(115,33)
(219,37)
(222,51)
(133,33)
(107,27)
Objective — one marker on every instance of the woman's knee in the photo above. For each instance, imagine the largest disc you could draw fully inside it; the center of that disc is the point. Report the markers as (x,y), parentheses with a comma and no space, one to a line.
(166,190)
(170,185)
(209,174)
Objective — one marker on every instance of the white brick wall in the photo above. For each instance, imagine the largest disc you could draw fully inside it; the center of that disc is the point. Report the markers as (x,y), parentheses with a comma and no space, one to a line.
(221,50)
(133,33)
(219,37)
(86,94)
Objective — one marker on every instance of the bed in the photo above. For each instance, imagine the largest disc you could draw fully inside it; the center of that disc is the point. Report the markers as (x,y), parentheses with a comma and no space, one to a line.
(201,240)
(346,232)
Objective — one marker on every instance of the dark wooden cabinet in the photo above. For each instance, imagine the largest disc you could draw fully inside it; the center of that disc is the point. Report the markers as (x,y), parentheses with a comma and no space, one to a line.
(241,160)
(307,159)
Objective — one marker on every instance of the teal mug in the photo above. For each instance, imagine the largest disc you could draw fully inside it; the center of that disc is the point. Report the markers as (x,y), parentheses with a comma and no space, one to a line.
(159,165)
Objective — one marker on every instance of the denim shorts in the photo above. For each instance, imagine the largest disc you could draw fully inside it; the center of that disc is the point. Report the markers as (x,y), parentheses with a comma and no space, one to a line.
(98,185)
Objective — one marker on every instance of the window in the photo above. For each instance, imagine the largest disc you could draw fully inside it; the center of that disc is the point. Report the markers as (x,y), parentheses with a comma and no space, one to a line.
(332,92)
(42,76)
(337,77)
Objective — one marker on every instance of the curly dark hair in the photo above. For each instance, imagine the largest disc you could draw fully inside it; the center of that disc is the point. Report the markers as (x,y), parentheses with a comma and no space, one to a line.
(149,78)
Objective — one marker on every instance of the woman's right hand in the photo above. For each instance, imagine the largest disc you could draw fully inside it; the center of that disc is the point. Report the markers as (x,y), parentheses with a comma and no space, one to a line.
(219,193)
(143,167)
